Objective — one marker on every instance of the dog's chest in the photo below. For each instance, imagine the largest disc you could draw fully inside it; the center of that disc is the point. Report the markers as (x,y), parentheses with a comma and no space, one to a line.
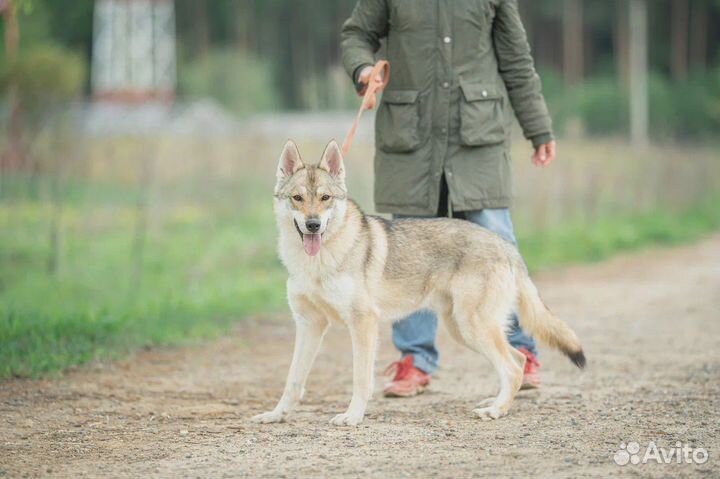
(334,291)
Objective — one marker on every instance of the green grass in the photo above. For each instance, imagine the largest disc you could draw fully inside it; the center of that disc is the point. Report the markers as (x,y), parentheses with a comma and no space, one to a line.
(581,242)
(207,263)
(204,267)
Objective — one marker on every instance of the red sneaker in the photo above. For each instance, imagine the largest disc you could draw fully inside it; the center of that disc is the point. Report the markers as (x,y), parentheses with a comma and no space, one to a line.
(531,375)
(408,381)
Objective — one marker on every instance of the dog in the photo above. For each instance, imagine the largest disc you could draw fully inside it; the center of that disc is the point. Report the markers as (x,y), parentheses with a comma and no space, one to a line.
(349,268)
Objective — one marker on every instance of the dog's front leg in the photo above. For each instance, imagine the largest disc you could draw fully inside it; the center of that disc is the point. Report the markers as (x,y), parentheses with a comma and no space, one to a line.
(364,335)
(308,337)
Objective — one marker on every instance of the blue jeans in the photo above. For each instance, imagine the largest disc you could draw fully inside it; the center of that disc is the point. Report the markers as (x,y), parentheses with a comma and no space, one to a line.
(416,334)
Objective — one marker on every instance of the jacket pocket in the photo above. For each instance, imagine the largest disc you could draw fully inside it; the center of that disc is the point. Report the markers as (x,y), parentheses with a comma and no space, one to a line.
(398,122)
(482,122)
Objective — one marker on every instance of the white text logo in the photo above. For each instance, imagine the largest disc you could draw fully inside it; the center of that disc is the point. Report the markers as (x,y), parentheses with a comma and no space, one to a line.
(681,453)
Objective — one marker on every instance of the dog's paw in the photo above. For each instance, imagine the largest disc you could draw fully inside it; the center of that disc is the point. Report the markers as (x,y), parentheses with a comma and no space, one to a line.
(347,419)
(269,417)
(489,413)
(486,402)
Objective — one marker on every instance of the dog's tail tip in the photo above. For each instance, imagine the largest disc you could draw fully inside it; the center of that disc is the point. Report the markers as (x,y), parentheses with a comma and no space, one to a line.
(577,358)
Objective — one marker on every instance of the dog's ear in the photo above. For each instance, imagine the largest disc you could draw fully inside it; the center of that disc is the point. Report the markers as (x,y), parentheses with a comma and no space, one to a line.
(332,161)
(290,161)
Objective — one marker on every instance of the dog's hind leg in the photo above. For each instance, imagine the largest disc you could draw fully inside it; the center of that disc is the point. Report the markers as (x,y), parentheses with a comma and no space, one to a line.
(495,346)
(480,322)
(364,335)
(444,310)
(309,331)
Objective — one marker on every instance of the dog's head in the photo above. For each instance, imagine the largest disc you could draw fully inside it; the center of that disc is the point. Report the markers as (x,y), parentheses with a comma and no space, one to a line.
(310,195)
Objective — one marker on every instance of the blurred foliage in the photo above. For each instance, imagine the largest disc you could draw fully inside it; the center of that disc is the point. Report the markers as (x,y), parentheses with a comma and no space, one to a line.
(49,21)
(694,105)
(45,75)
(328,90)
(679,110)
(255,55)
(237,80)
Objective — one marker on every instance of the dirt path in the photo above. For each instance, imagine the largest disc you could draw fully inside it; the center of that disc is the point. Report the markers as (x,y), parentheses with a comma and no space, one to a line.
(650,324)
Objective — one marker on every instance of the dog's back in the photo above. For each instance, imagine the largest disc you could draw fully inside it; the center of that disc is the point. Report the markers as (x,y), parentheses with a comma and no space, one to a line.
(436,261)
(438,246)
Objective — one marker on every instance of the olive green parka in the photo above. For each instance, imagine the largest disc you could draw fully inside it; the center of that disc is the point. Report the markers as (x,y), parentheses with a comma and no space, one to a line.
(459,69)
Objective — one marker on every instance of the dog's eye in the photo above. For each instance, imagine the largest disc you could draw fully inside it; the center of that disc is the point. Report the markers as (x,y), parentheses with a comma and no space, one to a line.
(297,198)
(324,197)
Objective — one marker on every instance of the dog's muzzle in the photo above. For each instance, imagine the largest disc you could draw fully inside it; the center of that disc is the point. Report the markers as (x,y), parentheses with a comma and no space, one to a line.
(313,240)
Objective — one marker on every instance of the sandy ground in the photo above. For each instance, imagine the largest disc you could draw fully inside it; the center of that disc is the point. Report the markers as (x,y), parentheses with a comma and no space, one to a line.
(650,323)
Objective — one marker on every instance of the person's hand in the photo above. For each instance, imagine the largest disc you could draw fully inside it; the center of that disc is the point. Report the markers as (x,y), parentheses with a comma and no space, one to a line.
(544,154)
(364,79)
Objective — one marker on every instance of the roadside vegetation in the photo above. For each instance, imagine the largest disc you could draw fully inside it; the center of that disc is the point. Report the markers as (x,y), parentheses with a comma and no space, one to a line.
(127,243)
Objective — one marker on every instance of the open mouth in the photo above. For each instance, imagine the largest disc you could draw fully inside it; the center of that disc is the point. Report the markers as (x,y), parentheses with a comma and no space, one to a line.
(311,241)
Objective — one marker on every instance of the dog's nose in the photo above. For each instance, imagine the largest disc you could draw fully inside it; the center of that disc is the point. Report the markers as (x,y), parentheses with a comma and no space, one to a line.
(313,225)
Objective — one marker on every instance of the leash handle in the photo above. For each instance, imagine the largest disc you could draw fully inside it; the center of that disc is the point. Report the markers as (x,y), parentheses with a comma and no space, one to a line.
(382,70)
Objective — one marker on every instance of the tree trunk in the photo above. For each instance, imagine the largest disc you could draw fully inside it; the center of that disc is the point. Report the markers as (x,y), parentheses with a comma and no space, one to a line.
(12,31)
(639,73)
(244,25)
(573,41)
(699,35)
(622,40)
(202,28)
(680,28)
(13,155)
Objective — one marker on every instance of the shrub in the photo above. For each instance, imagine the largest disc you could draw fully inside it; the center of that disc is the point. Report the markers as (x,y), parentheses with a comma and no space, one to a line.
(678,110)
(696,106)
(598,103)
(237,80)
(45,76)
(329,89)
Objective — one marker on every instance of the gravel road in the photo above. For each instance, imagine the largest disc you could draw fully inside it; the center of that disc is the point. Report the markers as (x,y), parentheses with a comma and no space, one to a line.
(650,324)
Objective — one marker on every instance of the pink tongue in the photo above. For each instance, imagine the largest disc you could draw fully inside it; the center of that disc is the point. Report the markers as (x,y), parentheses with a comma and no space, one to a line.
(311,243)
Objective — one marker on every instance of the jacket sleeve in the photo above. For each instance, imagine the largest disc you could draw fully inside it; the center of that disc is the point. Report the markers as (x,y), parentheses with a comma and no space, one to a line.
(518,72)
(361,34)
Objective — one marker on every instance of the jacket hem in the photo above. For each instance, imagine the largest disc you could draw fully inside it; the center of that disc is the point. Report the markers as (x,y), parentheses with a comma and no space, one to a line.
(481,204)
(500,202)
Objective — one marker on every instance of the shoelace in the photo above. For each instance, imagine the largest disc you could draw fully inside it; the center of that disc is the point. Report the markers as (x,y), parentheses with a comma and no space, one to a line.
(531,359)
(399,368)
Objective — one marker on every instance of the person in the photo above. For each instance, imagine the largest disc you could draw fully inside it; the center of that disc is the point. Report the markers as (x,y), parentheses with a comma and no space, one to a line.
(459,69)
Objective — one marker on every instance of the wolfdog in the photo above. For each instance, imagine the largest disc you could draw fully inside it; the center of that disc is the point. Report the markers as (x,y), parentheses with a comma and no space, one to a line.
(349,268)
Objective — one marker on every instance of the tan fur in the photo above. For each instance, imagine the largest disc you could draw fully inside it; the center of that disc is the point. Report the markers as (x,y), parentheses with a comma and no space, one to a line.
(369,268)
(539,321)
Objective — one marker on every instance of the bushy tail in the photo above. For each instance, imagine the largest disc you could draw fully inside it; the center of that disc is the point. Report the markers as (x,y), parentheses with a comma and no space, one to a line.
(539,321)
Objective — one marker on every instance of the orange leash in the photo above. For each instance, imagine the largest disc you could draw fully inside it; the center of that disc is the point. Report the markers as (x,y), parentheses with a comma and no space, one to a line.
(382,70)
